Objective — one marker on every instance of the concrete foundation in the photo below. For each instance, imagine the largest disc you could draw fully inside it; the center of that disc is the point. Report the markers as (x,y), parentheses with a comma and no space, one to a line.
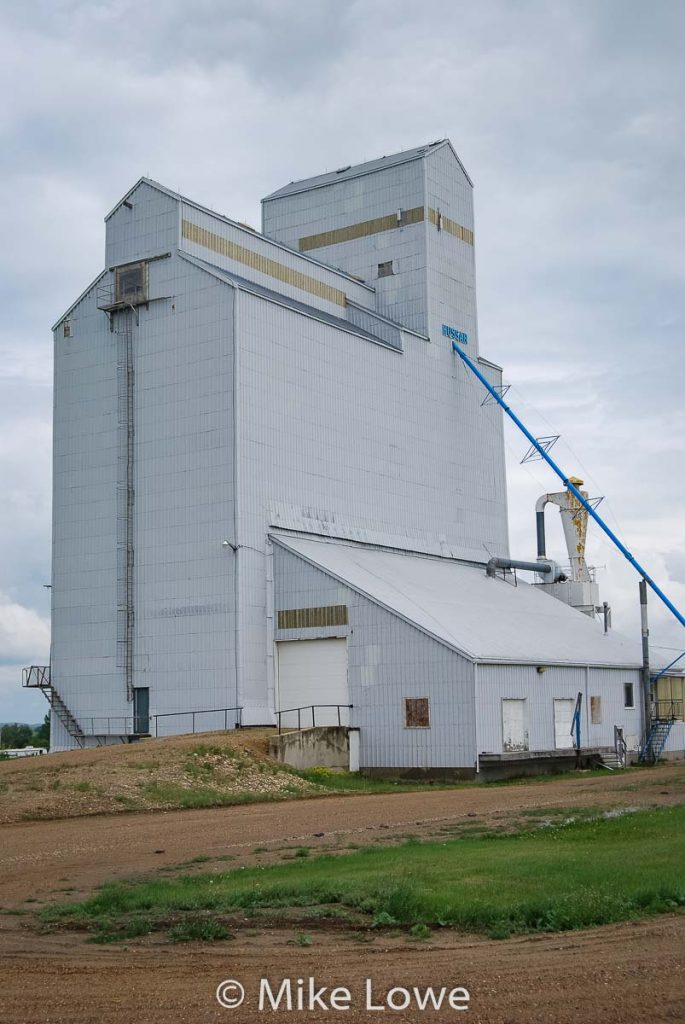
(333,746)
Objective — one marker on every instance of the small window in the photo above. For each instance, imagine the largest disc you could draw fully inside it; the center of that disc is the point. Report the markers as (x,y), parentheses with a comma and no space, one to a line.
(385,269)
(596,710)
(66,328)
(416,713)
(131,283)
(628,695)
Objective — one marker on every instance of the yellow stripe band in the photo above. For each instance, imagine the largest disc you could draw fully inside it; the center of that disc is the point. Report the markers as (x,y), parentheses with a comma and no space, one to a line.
(388,223)
(262,264)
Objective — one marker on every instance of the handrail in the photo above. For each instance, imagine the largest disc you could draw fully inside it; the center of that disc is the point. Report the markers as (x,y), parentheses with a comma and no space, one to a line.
(620,746)
(131,725)
(36,675)
(669,710)
(312,708)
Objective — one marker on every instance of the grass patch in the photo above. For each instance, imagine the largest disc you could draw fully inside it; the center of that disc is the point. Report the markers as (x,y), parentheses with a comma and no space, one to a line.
(351,782)
(199,928)
(554,879)
(171,794)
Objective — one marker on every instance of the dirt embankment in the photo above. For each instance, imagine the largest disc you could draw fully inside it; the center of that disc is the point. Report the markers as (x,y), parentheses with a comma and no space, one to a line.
(183,771)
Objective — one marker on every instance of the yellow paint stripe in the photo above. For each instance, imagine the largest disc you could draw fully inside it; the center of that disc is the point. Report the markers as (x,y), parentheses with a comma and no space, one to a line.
(262,264)
(387,223)
(451,226)
(362,229)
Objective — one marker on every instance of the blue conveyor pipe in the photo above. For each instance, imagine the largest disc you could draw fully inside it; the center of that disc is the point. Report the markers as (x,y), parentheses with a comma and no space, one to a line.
(571,487)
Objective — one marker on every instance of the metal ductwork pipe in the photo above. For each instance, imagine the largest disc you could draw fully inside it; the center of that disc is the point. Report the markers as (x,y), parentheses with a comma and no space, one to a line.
(540,524)
(511,563)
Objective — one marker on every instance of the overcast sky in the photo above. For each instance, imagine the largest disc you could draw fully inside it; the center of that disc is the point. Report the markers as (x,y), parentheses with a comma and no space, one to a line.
(569,119)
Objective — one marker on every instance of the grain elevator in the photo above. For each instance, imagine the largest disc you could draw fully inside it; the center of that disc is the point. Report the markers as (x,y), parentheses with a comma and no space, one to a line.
(276,487)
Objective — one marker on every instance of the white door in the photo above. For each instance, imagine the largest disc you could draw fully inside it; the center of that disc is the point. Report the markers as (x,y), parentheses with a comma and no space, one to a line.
(563,717)
(312,673)
(514,725)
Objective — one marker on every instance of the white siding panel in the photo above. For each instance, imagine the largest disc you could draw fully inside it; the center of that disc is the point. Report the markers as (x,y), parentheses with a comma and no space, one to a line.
(542,689)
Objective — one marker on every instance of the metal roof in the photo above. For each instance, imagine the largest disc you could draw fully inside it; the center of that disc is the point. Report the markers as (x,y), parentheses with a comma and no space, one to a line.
(485,619)
(285,300)
(244,228)
(357,170)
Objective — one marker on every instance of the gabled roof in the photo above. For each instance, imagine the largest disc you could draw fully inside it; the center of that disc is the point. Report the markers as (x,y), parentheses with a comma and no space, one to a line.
(357,170)
(484,619)
(245,228)
(153,184)
(286,300)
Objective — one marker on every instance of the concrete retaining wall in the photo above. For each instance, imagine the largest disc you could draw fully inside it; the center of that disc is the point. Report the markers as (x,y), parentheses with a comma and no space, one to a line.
(334,746)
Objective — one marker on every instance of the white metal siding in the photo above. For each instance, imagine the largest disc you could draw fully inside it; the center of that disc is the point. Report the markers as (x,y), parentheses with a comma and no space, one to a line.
(184,625)
(541,689)
(148,228)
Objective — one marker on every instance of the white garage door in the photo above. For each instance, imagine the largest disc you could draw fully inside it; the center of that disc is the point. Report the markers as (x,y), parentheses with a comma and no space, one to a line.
(312,672)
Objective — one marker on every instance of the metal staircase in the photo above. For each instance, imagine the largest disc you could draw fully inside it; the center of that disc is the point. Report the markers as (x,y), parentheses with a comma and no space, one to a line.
(38,677)
(665,712)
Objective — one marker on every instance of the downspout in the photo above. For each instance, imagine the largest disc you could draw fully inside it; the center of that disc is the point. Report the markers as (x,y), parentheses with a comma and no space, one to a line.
(236,493)
(476,705)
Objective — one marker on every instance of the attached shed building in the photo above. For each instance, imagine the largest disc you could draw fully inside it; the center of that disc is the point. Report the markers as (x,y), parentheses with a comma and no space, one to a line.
(444,666)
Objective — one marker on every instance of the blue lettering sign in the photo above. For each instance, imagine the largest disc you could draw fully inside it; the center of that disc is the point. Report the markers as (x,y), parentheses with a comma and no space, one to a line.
(455,335)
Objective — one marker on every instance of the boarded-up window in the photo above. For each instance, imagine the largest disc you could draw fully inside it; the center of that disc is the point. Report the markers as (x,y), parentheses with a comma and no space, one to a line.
(385,269)
(416,713)
(67,328)
(596,710)
(131,283)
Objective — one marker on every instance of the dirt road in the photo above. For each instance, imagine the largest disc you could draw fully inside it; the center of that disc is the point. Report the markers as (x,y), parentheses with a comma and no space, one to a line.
(624,974)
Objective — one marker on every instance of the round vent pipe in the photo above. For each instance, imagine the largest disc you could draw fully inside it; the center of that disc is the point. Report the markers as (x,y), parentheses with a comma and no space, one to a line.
(512,563)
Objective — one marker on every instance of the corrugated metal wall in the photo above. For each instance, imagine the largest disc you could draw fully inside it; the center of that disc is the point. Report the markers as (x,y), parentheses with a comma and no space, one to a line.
(496,683)
(184,498)
(184,627)
(147,227)
(388,661)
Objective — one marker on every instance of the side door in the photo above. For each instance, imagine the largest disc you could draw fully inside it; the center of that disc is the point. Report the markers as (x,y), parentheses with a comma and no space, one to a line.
(514,725)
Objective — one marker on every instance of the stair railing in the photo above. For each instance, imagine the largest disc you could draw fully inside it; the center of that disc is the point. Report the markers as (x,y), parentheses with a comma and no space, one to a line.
(620,746)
